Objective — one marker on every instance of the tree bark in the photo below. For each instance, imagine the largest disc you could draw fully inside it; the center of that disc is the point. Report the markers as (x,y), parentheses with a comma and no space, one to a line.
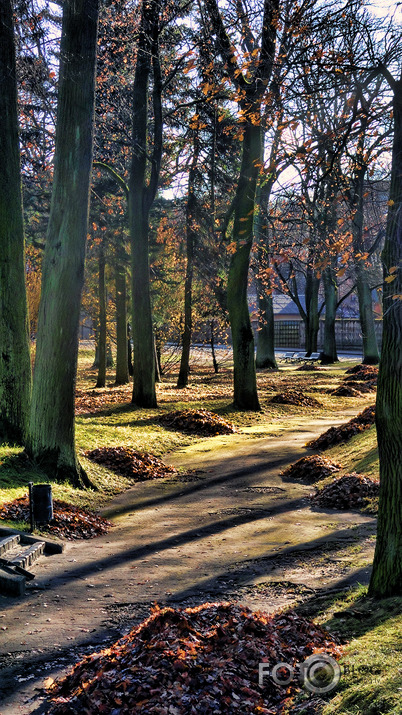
(245,395)
(15,365)
(191,236)
(311,318)
(101,381)
(386,578)
(140,199)
(329,353)
(122,376)
(265,357)
(370,348)
(52,428)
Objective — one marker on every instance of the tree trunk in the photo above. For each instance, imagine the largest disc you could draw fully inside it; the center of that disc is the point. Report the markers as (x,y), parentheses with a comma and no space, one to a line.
(245,395)
(141,197)
(191,235)
(329,354)
(250,90)
(101,381)
(312,319)
(52,429)
(386,578)
(212,344)
(265,358)
(157,363)
(370,348)
(122,376)
(15,365)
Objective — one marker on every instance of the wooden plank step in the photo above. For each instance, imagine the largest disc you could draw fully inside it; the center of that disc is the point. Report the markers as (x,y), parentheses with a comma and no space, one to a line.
(8,543)
(29,555)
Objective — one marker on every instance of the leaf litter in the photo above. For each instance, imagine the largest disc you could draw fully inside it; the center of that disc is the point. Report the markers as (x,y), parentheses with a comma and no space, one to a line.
(334,435)
(348,492)
(137,466)
(197,422)
(311,469)
(70,522)
(295,397)
(198,660)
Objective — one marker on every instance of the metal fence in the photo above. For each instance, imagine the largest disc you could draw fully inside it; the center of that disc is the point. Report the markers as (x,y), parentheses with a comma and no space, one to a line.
(291,333)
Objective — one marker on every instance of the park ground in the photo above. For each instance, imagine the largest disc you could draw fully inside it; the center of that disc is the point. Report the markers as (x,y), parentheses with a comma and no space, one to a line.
(225,527)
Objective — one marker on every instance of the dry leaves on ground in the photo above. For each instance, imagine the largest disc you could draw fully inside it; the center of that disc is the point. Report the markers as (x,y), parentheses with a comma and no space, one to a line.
(363,387)
(92,401)
(295,397)
(335,435)
(311,469)
(68,521)
(345,391)
(309,367)
(348,492)
(200,660)
(363,372)
(138,466)
(197,421)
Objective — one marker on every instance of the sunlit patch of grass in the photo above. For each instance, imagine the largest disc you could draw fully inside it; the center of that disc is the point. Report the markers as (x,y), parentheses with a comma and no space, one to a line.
(371,682)
(359,454)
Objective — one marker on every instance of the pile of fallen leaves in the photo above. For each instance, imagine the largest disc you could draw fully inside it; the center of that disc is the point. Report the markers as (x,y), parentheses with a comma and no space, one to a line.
(363,387)
(358,380)
(68,521)
(351,490)
(197,421)
(335,435)
(308,367)
(363,372)
(92,401)
(200,660)
(311,469)
(345,391)
(295,397)
(138,466)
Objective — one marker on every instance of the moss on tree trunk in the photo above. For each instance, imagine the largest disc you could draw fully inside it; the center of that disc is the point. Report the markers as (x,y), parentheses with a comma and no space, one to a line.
(51,440)
(122,376)
(191,235)
(386,579)
(329,354)
(140,199)
(15,366)
(101,380)
(245,395)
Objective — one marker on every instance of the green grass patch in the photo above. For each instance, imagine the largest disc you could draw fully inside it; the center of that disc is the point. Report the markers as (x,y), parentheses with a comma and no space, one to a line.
(371,682)
(360,454)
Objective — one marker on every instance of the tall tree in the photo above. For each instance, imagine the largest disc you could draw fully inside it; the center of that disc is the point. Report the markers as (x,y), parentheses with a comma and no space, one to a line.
(142,192)
(15,366)
(386,578)
(51,441)
(251,84)
(191,236)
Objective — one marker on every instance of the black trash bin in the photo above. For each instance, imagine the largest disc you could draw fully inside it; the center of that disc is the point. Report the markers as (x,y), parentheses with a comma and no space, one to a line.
(42,503)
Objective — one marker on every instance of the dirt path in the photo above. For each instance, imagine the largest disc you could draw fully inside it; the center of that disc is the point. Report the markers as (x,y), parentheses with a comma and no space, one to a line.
(232,529)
